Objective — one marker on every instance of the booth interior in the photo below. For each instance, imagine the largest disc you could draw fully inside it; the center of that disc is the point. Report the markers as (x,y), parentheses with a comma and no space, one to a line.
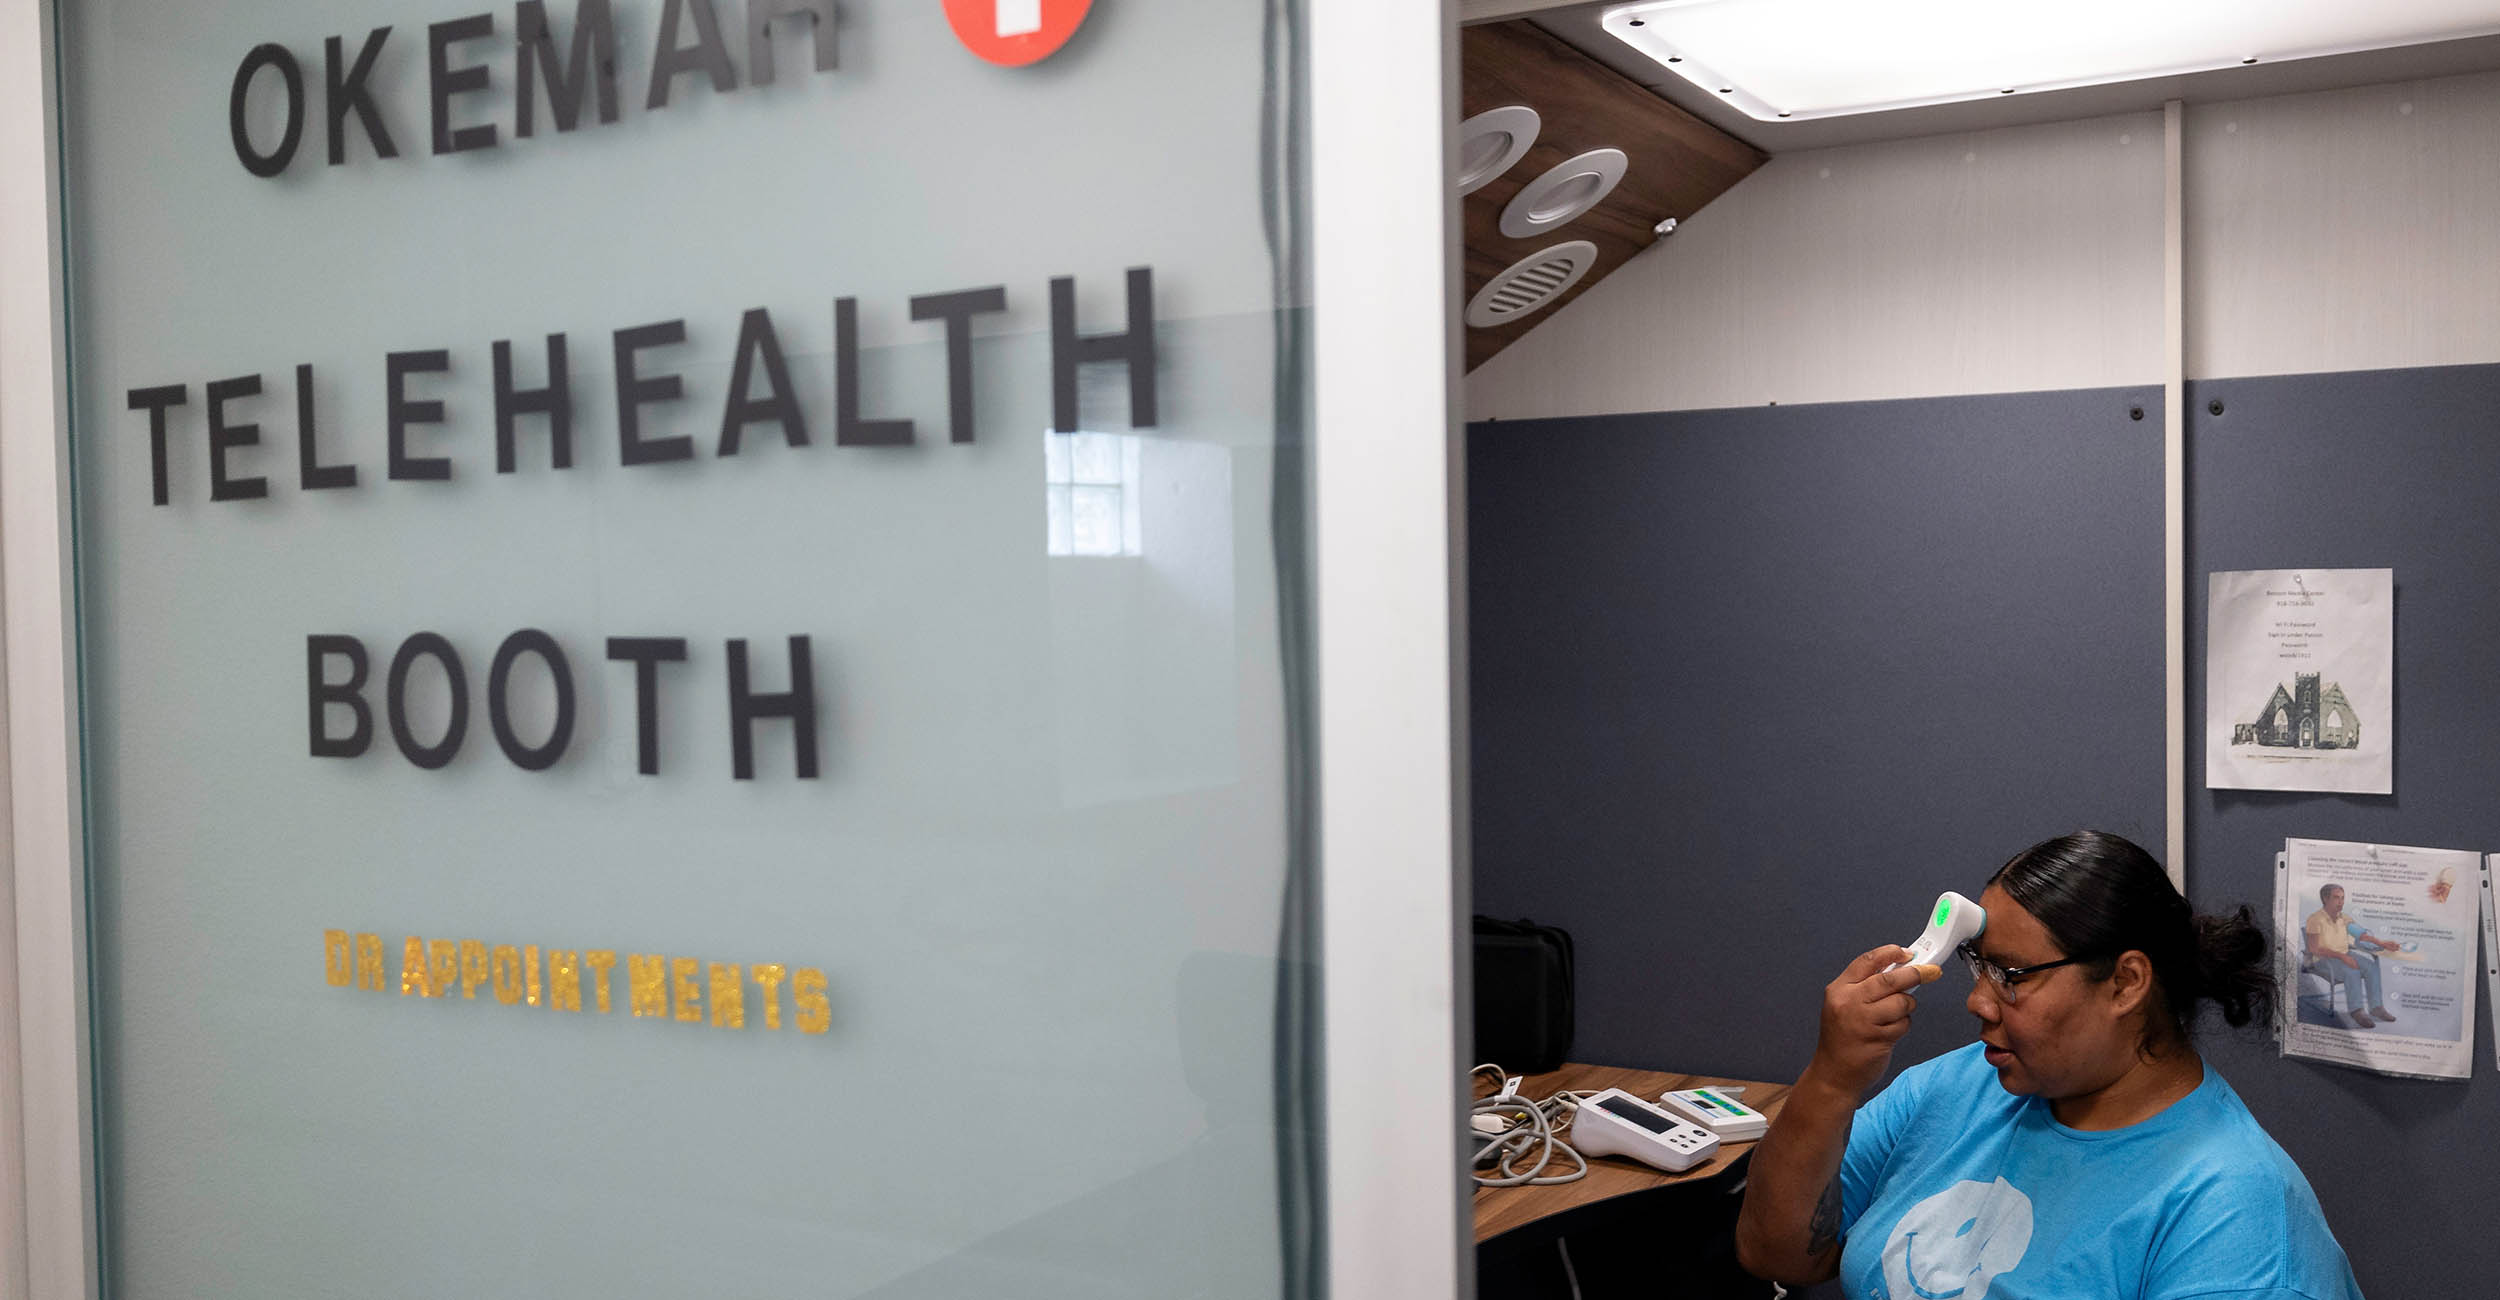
(1816,565)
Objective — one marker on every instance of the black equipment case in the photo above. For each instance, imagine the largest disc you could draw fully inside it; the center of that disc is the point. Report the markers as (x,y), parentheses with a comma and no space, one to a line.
(1523,995)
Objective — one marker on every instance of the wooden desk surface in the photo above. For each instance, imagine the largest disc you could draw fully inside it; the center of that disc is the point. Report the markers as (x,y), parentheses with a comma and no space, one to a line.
(1500,1209)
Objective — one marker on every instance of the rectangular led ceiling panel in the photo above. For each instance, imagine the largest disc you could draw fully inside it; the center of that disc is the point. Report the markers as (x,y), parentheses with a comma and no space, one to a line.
(1802,59)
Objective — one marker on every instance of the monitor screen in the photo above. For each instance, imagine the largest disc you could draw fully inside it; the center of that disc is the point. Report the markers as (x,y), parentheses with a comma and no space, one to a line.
(1637,1113)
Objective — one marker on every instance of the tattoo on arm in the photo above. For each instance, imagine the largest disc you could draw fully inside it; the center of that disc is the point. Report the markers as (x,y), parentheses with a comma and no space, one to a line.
(1824,1232)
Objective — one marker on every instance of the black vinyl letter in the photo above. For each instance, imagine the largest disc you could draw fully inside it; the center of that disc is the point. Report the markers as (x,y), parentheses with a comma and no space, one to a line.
(957,310)
(530,640)
(307,450)
(591,65)
(224,438)
(348,92)
(441,752)
(848,429)
(274,162)
(1134,347)
(403,413)
(350,693)
(555,401)
(634,391)
(708,54)
(447,81)
(798,704)
(647,653)
(762,14)
(757,341)
(156,402)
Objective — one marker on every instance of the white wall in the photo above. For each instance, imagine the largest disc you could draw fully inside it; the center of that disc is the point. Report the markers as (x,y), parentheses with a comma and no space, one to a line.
(2349,230)
(2331,231)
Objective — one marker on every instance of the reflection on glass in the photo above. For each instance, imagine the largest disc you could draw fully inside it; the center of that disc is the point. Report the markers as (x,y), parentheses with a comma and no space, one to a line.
(1095,490)
(1097,456)
(1097,520)
(1055,456)
(1062,537)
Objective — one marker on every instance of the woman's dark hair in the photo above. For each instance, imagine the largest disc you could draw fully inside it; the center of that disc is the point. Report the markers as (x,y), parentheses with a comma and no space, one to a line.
(2099,896)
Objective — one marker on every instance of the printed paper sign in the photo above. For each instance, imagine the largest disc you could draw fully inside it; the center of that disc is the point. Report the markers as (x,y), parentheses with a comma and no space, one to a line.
(2300,680)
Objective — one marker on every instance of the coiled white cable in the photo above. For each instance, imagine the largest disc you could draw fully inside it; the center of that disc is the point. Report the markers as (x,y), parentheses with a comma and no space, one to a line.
(1531,1138)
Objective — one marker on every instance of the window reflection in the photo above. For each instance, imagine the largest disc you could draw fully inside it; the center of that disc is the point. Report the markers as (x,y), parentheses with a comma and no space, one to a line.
(1094,485)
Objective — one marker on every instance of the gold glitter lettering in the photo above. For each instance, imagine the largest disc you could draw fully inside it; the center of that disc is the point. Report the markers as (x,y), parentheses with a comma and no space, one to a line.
(335,960)
(648,975)
(729,1004)
(807,989)
(414,981)
(600,961)
(659,986)
(472,967)
(689,990)
(768,978)
(446,965)
(369,962)
(507,974)
(564,969)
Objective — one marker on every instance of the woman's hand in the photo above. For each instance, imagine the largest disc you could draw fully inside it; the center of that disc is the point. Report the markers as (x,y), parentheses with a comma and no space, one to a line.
(1865,1012)
(1789,1227)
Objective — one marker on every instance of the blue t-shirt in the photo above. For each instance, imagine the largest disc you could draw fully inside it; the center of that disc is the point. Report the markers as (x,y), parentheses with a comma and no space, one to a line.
(1955,1189)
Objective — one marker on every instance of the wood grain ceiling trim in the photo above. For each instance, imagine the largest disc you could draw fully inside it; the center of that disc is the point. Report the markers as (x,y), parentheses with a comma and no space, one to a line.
(1678,163)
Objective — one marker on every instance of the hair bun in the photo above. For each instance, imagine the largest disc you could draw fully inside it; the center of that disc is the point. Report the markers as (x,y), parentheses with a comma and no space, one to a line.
(2232,966)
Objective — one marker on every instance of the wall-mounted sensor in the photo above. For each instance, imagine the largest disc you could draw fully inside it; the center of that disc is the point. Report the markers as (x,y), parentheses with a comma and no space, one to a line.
(1566,190)
(1492,142)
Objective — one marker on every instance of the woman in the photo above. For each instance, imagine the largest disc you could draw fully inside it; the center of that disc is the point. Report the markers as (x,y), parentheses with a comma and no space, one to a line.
(2079,1148)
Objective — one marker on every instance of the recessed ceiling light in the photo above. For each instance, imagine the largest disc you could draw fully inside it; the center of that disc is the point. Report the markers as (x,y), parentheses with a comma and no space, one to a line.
(1493,141)
(1829,58)
(1566,190)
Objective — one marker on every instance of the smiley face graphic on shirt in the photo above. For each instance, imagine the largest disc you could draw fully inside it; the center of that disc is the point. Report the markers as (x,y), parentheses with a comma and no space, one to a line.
(1954,1244)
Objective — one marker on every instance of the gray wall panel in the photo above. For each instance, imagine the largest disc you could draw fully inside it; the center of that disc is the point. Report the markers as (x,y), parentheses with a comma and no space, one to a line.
(2387,468)
(1751,686)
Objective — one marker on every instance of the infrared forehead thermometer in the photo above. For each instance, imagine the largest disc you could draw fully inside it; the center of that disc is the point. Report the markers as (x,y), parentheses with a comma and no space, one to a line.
(1956,921)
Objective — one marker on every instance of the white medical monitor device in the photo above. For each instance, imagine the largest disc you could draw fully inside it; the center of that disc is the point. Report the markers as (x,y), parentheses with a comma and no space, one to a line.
(1616,1123)
(1710,1108)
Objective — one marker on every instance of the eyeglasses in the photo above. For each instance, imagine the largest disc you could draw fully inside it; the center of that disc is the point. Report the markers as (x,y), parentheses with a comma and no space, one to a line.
(2005,981)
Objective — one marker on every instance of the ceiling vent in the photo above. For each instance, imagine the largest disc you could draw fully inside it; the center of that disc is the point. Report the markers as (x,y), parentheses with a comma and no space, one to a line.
(1530,283)
(1492,141)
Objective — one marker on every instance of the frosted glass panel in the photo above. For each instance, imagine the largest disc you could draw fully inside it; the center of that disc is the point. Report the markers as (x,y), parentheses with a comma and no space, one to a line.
(620,764)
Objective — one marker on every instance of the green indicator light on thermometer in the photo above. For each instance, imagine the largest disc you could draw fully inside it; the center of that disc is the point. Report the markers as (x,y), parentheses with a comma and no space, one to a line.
(1957,921)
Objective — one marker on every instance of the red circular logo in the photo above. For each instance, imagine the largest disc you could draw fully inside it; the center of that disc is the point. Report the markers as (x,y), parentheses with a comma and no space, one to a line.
(1013,33)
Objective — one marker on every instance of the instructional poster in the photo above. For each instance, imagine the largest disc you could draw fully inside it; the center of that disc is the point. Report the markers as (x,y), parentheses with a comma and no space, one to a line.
(2380,947)
(2300,680)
